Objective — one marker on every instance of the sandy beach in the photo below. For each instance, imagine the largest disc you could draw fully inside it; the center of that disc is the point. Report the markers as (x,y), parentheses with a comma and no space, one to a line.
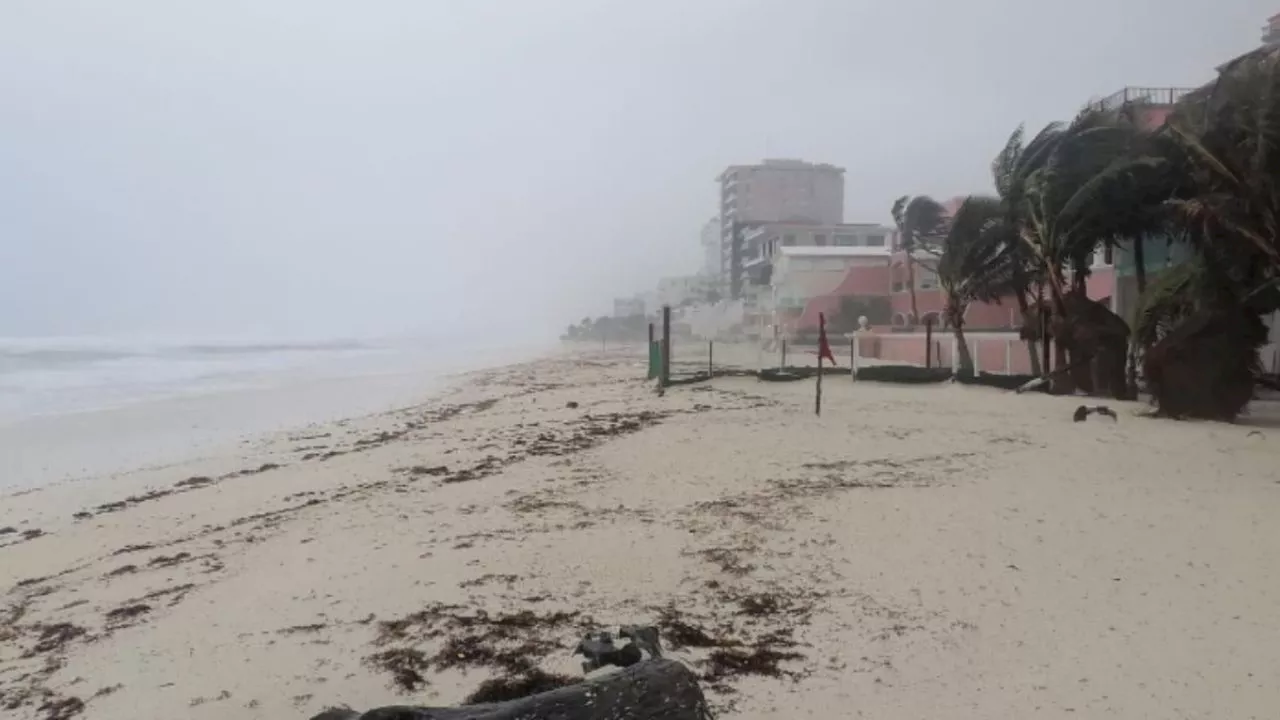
(915,552)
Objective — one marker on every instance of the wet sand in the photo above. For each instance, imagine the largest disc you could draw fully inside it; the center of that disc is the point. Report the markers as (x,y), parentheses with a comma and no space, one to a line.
(938,551)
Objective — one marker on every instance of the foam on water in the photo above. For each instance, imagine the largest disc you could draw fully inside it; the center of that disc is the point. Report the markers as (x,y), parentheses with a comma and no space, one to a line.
(77,408)
(54,375)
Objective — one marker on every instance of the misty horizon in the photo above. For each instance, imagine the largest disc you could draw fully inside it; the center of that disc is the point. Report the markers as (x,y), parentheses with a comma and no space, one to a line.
(319,169)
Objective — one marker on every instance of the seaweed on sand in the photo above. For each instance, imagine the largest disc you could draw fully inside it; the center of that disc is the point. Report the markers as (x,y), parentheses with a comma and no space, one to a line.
(406,666)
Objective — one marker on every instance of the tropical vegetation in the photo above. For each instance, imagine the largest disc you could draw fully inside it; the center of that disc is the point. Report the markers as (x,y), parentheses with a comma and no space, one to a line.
(1207,179)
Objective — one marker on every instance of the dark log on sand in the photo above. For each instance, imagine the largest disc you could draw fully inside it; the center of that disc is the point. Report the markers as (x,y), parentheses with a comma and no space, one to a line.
(651,690)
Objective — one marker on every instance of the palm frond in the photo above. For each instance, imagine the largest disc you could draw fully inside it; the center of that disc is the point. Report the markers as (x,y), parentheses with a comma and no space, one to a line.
(1005,165)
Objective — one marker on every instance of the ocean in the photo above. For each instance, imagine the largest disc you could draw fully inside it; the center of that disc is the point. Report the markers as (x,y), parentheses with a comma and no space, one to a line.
(83,407)
(40,376)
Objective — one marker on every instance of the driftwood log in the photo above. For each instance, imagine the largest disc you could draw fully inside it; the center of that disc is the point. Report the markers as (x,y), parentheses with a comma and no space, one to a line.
(651,690)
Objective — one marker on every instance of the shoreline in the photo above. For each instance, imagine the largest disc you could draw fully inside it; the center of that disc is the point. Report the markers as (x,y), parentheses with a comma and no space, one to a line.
(83,445)
(913,548)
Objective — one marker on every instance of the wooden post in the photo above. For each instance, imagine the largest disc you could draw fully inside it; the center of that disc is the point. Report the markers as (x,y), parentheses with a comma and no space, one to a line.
(666,345)
(817,396)
(711,366)
(1008,356)
(784,353)
(977,343)
(928,341)
(654,370)
(1044,340)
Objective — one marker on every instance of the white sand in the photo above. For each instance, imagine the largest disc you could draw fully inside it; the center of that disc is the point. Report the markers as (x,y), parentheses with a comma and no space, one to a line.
(938,551)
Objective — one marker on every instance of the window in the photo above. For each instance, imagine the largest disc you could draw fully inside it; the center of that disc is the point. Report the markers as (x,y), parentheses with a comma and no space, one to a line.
(820,239)
(846,240)
(926,279)
(875,241)
(788,240)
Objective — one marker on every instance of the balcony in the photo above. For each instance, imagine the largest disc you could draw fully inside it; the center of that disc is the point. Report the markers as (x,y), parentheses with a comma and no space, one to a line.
(1141,96)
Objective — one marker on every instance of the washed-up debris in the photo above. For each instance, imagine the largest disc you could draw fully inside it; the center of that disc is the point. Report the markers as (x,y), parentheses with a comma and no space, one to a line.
(1085,411)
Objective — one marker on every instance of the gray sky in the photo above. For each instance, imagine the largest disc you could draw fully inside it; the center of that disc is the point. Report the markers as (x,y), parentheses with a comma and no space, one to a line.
(314,167)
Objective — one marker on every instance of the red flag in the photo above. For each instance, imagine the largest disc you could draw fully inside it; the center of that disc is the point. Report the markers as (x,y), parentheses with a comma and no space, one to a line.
(824,348)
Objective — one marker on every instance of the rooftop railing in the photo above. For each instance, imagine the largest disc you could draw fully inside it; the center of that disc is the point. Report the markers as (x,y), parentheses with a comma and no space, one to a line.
(1142,95)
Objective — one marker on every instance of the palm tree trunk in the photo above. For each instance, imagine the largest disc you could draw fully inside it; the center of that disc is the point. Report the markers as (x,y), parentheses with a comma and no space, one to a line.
(1139,275)
(911,284)
(1140,265)
(1063,383)
(962,349)
(1034,352)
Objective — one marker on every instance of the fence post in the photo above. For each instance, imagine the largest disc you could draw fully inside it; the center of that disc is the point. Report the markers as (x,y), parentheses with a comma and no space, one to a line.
(784,353)
(711,366)
(666,346)
(1008,356)
(654,361)
(977,356)
(854,348)
(928,342)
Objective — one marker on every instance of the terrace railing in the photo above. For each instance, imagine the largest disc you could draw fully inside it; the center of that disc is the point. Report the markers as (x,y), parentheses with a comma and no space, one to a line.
(1143,96)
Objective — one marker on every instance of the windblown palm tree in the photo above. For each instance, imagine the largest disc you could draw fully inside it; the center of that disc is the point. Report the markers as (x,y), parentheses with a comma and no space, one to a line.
(1012,170)
(978,264)
(1230,139)
(1204,322)
(1072,202)
(920,220)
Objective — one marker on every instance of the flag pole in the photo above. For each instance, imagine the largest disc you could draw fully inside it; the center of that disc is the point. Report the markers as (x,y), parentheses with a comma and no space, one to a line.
(822,339)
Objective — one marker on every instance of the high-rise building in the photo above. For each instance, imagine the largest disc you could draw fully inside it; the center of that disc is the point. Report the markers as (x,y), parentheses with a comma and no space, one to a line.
(774,191)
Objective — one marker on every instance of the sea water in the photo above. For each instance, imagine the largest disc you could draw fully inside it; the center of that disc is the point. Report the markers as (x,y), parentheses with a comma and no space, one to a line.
(86,407)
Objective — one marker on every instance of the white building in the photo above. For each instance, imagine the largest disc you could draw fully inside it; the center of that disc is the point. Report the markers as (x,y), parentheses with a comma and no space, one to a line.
(802,273)
(773,191)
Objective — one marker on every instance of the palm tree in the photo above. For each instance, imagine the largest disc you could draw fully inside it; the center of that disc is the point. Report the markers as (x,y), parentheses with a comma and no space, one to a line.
(920,220)
(1012,170)
(1231,196)
(977,264)
(1071,203)
(1204,323)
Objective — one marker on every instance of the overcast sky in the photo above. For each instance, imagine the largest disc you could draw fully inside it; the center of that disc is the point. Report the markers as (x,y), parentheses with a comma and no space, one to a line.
(307,167)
